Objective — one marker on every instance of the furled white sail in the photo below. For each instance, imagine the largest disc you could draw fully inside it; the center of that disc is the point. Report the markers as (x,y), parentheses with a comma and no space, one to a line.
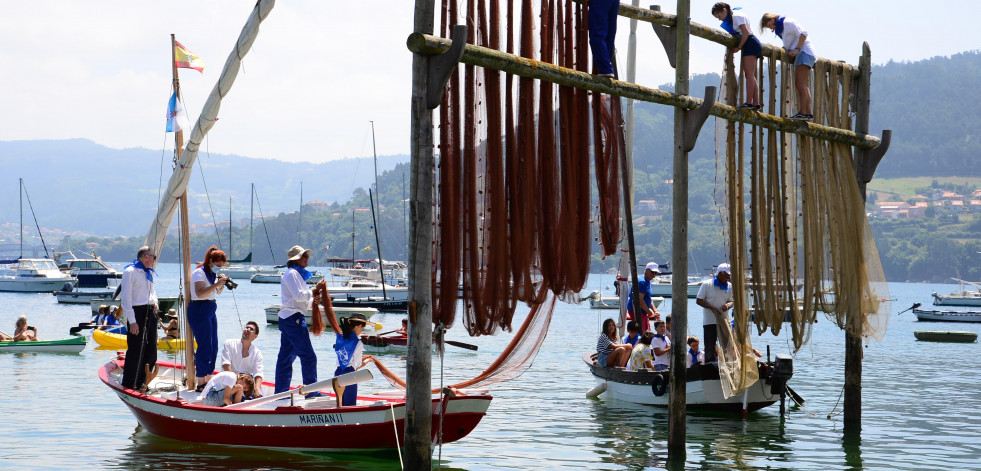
(182,174)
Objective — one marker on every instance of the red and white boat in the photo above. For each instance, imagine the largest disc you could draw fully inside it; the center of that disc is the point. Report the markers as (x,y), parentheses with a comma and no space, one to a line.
(385,343)
(293,422)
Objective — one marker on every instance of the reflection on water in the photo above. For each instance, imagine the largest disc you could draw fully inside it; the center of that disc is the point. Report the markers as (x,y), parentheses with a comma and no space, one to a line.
(153,452)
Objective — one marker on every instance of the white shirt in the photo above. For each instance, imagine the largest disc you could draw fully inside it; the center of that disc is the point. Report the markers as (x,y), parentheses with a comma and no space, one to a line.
(225,379)
(715,296)
(199,275)
(658,343)
(739,19)
(700,355)
(296,295)
(231,355)
(792,31)
(135,290)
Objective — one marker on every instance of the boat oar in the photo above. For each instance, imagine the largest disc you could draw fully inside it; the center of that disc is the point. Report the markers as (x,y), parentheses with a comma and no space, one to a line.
(461,345)
(81,326)
(346,379)
(914,306)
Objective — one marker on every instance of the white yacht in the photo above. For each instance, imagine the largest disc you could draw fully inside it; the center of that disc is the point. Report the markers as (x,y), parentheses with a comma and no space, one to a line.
(32,275)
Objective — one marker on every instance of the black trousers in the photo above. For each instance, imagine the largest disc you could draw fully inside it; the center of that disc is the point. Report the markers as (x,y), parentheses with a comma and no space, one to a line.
(141,349)
(711,338)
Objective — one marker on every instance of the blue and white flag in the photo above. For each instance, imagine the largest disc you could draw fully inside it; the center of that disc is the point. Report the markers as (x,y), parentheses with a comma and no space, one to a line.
(175,114)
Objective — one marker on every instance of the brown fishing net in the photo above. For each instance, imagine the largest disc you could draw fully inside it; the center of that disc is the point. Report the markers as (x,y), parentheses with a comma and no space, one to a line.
(805,244)
(512,201)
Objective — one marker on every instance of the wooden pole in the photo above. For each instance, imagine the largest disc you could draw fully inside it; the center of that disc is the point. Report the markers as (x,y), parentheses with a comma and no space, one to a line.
(679,248)
(484,57)
(185,246)
(853,342)
(418,402)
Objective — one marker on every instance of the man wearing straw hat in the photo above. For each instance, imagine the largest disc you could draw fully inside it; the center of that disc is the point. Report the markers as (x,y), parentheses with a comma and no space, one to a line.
(294,336)
(715,298)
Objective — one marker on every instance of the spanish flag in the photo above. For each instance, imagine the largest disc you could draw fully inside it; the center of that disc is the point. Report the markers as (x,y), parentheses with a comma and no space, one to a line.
(186,59)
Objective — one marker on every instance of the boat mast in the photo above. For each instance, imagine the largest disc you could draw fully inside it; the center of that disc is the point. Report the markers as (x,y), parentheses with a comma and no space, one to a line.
(352,236)
(251,207)
(378,248)
(21,195)
(229,227)
(299,238)
(185,233)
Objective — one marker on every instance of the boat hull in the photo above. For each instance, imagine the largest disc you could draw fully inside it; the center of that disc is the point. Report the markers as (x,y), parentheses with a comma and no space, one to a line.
(69,345)
(274,279)
(82,297)
(316,425)
(958,298)
(33,285)
(165,304)
(945,336)
(703,389)
(118,341)
(947,316)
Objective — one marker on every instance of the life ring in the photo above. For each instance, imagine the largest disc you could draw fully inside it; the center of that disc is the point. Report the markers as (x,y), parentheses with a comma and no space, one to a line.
(660,385)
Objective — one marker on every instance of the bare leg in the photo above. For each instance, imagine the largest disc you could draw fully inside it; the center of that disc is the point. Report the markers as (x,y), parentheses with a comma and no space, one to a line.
(749,71)
(802,77)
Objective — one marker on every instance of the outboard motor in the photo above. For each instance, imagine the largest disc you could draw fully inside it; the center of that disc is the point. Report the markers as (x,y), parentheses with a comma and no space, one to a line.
(783,370)
(67,287)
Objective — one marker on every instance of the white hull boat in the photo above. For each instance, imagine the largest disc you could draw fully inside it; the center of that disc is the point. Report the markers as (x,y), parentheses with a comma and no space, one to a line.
(947,316)
(276,276)
(239,272)
(703,389)
(33,275)
(958,298)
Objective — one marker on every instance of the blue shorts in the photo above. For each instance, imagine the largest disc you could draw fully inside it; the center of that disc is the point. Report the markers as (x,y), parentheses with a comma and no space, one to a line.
(601,359)
(804,58)
(215,397)
(660,367)
(752,47)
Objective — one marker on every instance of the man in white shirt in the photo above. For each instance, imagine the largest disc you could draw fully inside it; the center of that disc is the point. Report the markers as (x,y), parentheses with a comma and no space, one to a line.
(297,299)
(138,298)
(240,356)
(715,298)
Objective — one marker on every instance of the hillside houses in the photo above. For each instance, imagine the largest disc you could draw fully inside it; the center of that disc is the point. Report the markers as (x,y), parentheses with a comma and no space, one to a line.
(916,206)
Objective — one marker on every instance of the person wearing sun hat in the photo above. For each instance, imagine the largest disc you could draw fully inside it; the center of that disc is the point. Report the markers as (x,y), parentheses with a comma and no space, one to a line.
(715,298)
(294,336)
(645,289)
(347,344)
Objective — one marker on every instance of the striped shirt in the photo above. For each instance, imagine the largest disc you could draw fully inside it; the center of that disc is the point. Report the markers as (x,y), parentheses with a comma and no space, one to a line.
(604,345)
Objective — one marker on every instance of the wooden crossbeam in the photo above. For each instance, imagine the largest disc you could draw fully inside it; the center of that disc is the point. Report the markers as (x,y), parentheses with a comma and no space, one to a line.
(427,45)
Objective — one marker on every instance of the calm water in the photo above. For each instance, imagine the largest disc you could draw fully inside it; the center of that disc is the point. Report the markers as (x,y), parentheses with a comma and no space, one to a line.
(920,402)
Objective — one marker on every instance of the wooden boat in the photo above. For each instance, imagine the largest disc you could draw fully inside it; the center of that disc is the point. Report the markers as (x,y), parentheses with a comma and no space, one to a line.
(945,336)
(385,343)
(118,341)
(316,424)
(272,314)
(704,390)
(947,316)
(69,345)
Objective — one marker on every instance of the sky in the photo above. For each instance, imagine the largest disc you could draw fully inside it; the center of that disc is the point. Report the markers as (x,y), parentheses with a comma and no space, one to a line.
(320,70)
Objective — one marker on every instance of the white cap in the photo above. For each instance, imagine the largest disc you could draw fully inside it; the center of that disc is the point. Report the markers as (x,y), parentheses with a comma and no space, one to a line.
(723,267)
(653,267)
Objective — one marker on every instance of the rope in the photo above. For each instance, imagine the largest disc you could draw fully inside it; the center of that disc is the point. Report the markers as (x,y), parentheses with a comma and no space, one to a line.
(398,447)
(266,230)
(35,221)
(211,208)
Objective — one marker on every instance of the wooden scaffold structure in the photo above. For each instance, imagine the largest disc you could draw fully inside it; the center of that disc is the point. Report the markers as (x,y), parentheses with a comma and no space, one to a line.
(797,182)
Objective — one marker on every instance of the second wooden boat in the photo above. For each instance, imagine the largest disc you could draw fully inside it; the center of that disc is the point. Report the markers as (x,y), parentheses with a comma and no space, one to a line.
(945,336)
(69,345)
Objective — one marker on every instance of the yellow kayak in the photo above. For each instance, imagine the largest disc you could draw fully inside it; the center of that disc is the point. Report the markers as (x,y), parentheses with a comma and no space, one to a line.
(118,341)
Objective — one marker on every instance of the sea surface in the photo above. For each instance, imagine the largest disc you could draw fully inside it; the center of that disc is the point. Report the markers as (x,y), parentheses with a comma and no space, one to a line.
(920,401)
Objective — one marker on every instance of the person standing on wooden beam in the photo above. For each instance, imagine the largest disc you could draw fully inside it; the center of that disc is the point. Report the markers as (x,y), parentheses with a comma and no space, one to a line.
(737,24)
(801,52)
(602,33)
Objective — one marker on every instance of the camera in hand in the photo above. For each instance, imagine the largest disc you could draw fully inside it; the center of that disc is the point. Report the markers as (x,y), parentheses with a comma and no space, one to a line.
(230,284)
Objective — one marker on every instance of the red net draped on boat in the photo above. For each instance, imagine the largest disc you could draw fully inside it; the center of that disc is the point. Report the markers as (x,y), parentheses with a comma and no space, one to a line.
(512,186)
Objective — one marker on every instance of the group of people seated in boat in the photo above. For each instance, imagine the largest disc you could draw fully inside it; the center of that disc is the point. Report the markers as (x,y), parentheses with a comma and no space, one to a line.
(108,317)
(644,348)
(22,332)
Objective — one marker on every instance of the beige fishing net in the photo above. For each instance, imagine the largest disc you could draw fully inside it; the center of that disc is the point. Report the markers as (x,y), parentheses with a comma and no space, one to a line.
(797,233)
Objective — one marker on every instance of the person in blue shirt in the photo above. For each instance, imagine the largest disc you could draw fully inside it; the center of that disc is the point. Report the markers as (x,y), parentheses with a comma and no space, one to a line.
(646,292)
(633,336)
(347,344)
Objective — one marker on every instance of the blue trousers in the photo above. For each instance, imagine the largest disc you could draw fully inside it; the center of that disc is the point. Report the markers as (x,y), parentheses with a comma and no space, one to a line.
(204,325)
(294,341)
(350,396)
(602,32)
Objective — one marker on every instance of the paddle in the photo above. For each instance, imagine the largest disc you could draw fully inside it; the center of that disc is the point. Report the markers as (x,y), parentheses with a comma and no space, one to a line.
(796,397)
(461,345)
(346,379)
(81,326)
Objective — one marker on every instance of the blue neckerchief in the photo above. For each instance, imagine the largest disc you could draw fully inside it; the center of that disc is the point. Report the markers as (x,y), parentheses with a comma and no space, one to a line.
(694,356)
(302,271)
(632,340)
(210,275)
(778,29)
(344,347)
(727,25)
(721,285)
(659,337)
(139,265)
